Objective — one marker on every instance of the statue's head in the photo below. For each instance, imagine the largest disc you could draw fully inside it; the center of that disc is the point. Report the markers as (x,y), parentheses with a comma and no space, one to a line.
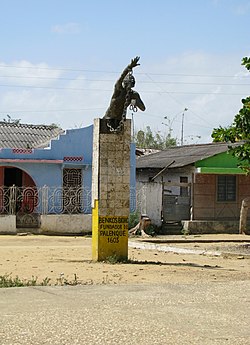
(129,80)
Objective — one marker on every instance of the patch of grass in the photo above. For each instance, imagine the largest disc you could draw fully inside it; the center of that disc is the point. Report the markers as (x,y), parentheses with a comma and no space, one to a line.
(114,259)
(151,230)
(185,232)
(64,281)
(45,281)
(8,281)
(133,219)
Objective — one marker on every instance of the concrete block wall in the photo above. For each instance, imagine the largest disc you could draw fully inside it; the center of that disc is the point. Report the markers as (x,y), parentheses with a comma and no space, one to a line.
(114,170)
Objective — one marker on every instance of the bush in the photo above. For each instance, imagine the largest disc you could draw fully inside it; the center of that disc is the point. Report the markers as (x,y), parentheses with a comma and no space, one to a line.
(133,219)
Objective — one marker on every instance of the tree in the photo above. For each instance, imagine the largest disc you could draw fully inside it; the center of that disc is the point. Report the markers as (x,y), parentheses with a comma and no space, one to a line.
(239,131)
(146,139)
(11,120)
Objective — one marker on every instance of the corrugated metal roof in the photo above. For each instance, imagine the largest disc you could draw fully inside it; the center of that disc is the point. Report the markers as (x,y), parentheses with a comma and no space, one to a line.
(17,135)
(182,155)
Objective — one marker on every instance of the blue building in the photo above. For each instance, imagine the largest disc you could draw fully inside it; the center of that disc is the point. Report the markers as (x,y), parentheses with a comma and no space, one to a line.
(46,171)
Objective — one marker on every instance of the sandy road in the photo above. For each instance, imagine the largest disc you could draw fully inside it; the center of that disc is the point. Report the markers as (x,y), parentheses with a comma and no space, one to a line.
(69,258)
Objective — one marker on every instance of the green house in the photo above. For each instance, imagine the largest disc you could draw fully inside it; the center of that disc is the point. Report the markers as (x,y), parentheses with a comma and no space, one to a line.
(198,186)
(218,188)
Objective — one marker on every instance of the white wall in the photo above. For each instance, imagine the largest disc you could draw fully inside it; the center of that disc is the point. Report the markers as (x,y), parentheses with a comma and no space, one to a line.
(149,200)
(152,206)
(66,224)
(63,224)
(7,224)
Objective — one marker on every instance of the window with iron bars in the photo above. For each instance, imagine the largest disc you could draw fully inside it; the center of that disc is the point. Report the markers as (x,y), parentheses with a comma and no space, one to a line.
(72,191)
(226,188)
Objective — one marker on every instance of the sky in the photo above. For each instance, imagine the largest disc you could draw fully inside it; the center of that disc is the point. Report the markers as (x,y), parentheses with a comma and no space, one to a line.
(60,59)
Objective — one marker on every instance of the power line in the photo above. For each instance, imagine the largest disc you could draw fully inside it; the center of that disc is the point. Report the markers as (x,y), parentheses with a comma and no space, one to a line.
(196,83)
(198,93)
(199,75)
(77,110)
(53,87)
(112,80)
(54,78)
(55,69)
(109,90)
(105,71)
(49,111)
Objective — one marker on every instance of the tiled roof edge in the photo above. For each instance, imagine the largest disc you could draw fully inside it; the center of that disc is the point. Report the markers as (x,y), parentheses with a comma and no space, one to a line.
(26,125)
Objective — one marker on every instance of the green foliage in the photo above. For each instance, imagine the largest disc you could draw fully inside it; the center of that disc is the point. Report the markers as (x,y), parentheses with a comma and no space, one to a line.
(7,281)
(238,131)
(185,232)
(151,230)
(146,139)
(46,281)
(246,62)
(54,125)
(133,219)
(64,281)
(11,120)
(114,259)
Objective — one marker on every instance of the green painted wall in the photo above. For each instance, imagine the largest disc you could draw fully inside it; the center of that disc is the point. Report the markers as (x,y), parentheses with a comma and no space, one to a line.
(223,163)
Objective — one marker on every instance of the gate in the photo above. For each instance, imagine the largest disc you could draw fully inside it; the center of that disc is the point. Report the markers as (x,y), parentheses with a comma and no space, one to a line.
(176,207)
(24,201)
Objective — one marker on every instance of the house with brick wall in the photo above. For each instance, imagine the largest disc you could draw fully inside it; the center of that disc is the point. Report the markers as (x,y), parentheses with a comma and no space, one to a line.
(198,186)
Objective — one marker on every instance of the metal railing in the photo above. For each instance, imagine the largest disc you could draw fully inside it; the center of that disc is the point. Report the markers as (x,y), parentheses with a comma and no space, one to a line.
(56,200)
(44,200)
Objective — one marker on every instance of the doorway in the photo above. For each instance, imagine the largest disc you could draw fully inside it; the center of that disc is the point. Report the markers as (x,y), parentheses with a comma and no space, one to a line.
(13,176)
(20,197)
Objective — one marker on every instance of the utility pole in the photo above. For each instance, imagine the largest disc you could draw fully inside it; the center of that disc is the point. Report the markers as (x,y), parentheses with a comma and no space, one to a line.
(182,126)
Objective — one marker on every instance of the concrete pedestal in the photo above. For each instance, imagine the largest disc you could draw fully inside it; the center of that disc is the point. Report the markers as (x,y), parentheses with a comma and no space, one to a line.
(110,191)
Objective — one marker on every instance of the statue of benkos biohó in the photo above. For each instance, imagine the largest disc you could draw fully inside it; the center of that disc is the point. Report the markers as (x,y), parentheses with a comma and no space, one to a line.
(124,96)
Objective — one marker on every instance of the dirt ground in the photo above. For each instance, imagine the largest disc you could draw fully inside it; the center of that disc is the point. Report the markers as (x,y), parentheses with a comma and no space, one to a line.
(68,260)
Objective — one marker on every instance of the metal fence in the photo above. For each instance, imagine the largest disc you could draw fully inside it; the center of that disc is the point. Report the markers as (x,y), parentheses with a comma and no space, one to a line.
(55,200)
(44,200)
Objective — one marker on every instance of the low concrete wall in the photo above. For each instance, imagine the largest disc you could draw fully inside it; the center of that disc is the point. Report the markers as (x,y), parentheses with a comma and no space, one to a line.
(7,224)
(66,224)
(211,227)
(63,224)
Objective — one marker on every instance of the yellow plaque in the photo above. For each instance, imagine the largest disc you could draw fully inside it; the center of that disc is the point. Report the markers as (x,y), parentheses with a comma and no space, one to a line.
(112,238)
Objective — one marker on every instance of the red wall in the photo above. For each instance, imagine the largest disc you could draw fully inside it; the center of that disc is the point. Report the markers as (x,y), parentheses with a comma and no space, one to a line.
(1,176)
(205,204)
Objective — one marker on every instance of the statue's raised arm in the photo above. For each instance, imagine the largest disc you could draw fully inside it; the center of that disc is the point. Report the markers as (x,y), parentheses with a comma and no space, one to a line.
(128,69)
(123,94)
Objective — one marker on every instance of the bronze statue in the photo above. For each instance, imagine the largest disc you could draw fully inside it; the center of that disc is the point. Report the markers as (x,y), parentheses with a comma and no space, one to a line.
(123,95)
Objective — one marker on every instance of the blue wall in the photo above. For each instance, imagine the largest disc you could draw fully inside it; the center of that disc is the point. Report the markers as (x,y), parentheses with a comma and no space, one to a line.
(74,143)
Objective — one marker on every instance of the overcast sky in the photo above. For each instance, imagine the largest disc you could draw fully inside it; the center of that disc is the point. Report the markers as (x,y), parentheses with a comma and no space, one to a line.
(59,60)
